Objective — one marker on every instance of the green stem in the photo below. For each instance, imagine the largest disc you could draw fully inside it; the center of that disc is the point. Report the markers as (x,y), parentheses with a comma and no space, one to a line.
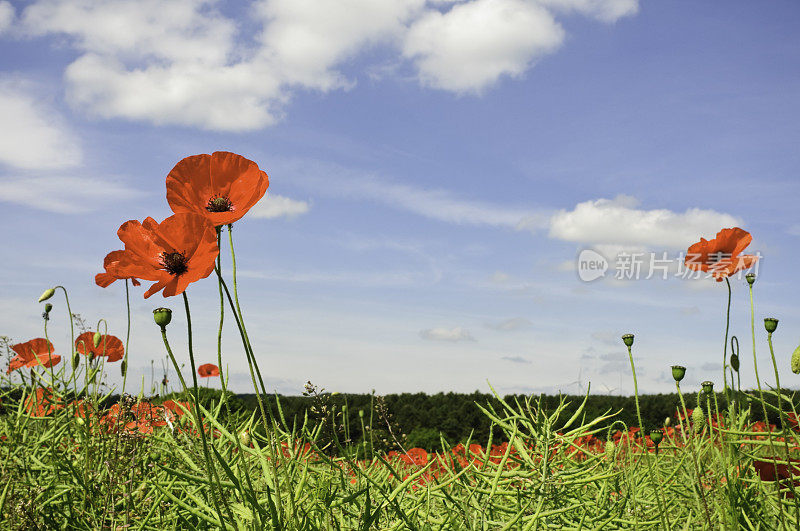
(763,403)
(725,346)
(127,337)
(694,457)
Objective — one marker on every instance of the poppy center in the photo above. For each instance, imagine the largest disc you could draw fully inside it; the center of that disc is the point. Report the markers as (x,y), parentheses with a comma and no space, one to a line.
(219,203)
(174,263)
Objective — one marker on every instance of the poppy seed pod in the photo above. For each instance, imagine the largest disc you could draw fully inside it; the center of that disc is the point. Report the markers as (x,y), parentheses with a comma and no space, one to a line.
(771,324)
(708,387)
(735,362)
(678,372)
(628,340)
(48,308)
(750,277)
(245,439)
(656,436)
(796,360)
(96,339)
(47,294)
(698,419)
(162,317)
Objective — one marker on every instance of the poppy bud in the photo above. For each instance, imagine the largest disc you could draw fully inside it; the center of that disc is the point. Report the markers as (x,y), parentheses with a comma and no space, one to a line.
(628,340)
(667,422)
(708,387)
(678,372)
(75,359)
(735,362)
(750,277)
(361,411)
(96,339)
(80,421)
(48,308)
(698,419)
(771,324)
(245,439)
(796,361)
(162,317)
(123,368)
(656,436)
(610,449)
(47,294)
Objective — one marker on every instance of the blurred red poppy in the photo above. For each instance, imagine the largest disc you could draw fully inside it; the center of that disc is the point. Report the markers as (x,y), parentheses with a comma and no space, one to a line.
(222,186)
(174,253)
(721,256)
(208,370)
(110,346)
(33,353)
(111,264)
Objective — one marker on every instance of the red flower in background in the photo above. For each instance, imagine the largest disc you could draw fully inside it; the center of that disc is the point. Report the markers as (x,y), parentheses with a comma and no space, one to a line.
(174,253)
(33,353)
(112,264)
(110,346)
(207,370)
(222,186)
(721,256)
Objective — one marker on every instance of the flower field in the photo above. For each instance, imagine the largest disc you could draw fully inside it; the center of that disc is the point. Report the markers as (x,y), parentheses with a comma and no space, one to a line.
(72,458)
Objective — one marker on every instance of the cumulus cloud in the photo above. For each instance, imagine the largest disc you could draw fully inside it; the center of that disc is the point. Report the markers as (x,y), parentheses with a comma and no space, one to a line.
(446,334)
(619,222)
(185,62)
(469,47)
(515,323)
(276,206)
(6,16)
(64,195)
(39,139)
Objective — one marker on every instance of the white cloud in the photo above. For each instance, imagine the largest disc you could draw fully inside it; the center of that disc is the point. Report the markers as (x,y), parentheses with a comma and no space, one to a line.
(6,16)
(618,222)
(276,206)
(605,10)
(446,334)
(516,359)
(38,140)
(515,323)
(64,195)
(186,63)
(469,47)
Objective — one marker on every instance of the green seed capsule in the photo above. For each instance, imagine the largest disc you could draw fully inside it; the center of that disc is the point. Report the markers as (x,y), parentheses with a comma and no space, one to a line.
(796,361)
(611,448)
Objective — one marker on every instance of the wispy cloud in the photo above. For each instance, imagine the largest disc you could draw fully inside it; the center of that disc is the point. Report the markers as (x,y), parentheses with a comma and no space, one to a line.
(516,359)
(446,334)
(65,195)
(515,323)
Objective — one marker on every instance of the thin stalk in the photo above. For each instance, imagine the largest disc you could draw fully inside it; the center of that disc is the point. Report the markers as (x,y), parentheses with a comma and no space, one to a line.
(725,345)
(127,337)
(694,458)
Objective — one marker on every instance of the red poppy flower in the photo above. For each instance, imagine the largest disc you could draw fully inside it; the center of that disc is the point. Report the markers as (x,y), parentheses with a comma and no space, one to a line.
(33,353)
(112,264)
(174,253)
(109,346)
(207,370)
(222,186)
(721,256)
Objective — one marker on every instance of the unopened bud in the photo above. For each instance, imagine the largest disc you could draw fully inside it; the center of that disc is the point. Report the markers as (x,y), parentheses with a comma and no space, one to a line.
(667,422)
(361,411)
(96,339)
(76,358)
(123,368)
(735,362)
(771,324)
(47,294)
(796,360)
(245,439)
(628,340)
(80,421)
(698,419)
(162,317)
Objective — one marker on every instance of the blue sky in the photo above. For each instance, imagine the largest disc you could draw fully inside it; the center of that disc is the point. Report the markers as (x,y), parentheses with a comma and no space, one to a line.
(435,169)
